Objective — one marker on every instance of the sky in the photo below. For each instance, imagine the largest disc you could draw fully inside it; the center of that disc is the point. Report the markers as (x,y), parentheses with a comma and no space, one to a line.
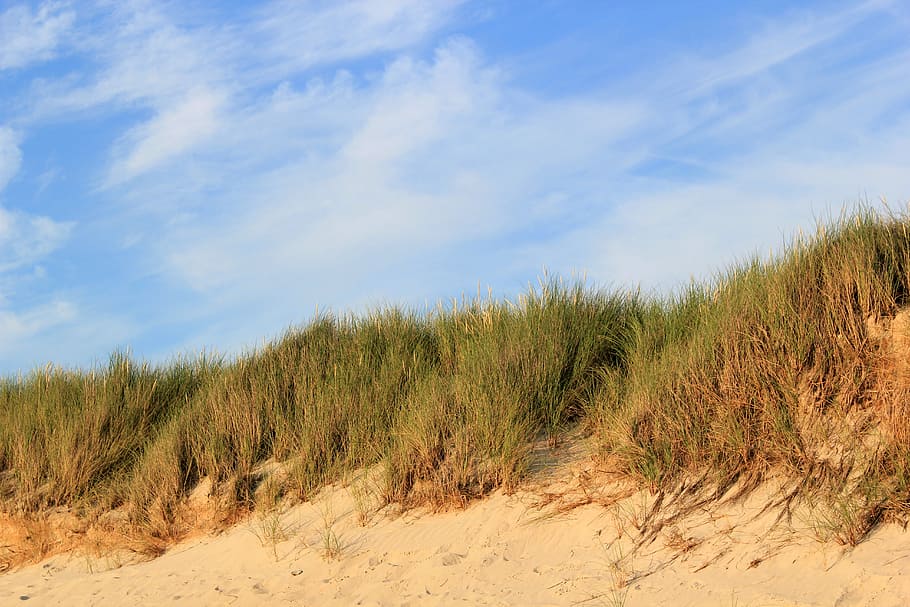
(179,176)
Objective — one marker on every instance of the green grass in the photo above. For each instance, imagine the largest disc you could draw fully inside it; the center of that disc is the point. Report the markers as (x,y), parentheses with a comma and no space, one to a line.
(448,402)
(771,367)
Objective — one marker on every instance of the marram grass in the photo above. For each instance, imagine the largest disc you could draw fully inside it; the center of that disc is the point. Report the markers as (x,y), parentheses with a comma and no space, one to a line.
(792,365)
(797,364)
(448,403)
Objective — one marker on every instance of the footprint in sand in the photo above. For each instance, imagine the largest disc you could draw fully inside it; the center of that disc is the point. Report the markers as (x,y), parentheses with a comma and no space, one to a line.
(451,559)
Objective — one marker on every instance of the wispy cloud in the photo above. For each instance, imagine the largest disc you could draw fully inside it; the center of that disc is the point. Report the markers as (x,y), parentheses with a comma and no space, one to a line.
(298,35)
(433,155)
(10,155)
(142,60)
(772,43)
(30,36)
(146,57)
(780,132)
(186,76)
(169,134)
(59,331)
(25,239)
(14,328)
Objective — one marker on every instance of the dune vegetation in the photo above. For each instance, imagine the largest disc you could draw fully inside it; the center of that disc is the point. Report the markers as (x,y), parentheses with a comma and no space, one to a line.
(793,366)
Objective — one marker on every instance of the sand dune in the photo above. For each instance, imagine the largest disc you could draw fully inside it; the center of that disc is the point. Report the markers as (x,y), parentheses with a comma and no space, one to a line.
(544,545)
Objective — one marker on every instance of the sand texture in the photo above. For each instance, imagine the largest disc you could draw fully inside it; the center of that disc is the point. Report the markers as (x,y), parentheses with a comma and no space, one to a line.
(552,544)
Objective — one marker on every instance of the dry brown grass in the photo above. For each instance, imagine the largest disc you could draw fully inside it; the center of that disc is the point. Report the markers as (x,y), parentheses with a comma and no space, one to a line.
(789,366)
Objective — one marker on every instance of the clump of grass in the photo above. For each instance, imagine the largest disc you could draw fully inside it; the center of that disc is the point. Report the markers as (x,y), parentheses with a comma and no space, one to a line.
(771,366)
(331,542)
(322,398)
(505,373)
(271,530)
(845,518)
(446,403)
(363,497)
(69,437)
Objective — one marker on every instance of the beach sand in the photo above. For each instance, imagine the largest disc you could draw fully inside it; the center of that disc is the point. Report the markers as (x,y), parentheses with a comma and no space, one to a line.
(543,545)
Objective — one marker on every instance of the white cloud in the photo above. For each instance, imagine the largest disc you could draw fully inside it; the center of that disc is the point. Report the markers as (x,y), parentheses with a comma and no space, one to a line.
(28,36)
(148,58)
(415,102)
(60,331)
(25,239)
(786,39)
(15,328)
(778,140)
(432,156)
(665,232)
(172,132)
(347,195)
(186,75)
(10,155)
(299,35)
(142,60)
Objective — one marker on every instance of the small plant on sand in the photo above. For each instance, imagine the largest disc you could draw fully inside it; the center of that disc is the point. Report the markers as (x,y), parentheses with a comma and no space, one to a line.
(332,546)
(632,512)
(271,530)
(621,572)
(363,496)
(846,519)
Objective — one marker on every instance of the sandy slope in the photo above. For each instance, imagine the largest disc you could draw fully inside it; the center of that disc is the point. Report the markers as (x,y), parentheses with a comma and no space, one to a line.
(505,550)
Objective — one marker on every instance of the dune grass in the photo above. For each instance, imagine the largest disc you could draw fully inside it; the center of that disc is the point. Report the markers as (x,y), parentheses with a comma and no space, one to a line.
(447,402)
(790,365)
(782,364)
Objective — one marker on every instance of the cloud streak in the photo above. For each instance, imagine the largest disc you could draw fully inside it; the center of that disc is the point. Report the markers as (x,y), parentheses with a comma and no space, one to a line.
(171,133)
(28,36)
(295,36)
(25,239)
(10,155)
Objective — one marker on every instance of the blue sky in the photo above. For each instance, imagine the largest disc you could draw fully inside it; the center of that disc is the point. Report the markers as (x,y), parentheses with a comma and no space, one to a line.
(180,175)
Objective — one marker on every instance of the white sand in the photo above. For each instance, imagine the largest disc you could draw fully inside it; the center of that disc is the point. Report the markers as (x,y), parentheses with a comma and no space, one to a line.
(500,551)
